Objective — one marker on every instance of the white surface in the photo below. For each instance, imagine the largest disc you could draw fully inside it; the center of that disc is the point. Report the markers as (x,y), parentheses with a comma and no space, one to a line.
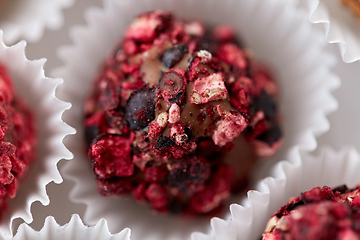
(344,123)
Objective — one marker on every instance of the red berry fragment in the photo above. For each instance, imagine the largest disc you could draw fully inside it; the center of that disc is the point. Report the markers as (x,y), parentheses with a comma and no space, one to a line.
(321,213)
(17,139)
(189,175)
(170,108)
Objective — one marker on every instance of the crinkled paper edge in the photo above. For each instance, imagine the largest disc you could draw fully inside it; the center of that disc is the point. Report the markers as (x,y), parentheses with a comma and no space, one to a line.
(38,92)
(288,179)
(341,26)
(73,230)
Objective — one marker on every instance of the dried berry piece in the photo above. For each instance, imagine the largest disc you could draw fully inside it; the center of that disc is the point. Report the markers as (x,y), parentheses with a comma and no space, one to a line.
(173,55)
(271,136)
(111,156)
(207,42)
(172,85)
(109,93)
(139,110)
(214,194)
(265,103)
(163,142)
(189,175)
(108,187)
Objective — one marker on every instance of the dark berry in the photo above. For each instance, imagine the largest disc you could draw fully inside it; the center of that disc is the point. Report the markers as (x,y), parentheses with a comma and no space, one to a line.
(271,136)
(266,104)
(173,55)
(189,175)
(207,43)
(163,142)
(189,134)
(140,108)
(90,133)
(341,189)
(115,186)
(171,85)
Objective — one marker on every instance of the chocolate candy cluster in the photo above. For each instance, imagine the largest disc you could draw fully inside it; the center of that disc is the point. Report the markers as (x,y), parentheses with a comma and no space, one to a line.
(319,214)
(179,114)
(17,139)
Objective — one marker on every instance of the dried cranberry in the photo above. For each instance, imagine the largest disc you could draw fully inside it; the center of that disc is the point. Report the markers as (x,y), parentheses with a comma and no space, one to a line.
(207,43)
(173,55)
(271,136)
(265,103)
(140,108)
(172,85)
(163,142)
(189,175)
(155,173)
(107,187)
(214,194)
(111,156)
(109,94)
(157,196)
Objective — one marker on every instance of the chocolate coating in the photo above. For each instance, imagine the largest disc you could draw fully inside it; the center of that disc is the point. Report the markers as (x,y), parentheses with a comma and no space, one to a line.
(321,213)
(187,122)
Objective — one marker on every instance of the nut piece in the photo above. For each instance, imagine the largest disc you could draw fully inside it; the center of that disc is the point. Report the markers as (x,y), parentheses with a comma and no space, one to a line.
(174,113)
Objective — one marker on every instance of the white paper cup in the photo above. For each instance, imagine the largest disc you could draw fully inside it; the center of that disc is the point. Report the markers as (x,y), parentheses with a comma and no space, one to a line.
(289,178)
(73,230)
(27,19)
(38,92)
(274,30)
(341,26)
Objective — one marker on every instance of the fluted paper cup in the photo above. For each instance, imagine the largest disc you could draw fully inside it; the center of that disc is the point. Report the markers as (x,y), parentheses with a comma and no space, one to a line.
(278,35)
(341,26)
(73,230)
(27,19)
(288,179)
(38,92)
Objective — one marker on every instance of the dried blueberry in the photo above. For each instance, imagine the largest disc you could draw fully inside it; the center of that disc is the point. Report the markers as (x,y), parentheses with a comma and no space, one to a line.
(90,134)
(342,189)
(265,103)
(189,175)
(163,142)
(140,108)
(171,85)
(173,55)
(271,136)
